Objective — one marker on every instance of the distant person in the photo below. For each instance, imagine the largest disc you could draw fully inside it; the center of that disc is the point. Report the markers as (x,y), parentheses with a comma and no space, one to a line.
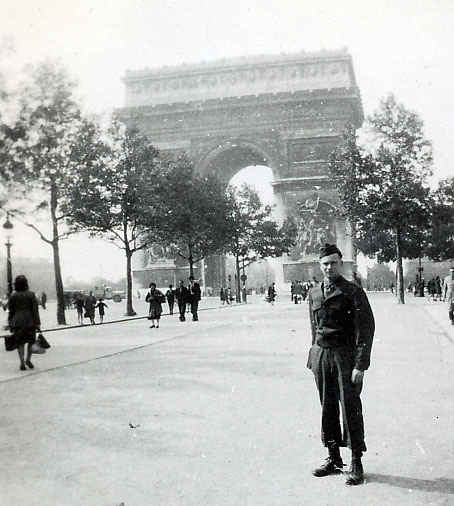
(195,294)
(272,294)
(224,295)
(79,304)
(43,299)
(298,292)
(90,304)
(182,296)
(449,294)
(100,306)
(292,292)
(170,296)
(438,288)
(155,298)
(23,319)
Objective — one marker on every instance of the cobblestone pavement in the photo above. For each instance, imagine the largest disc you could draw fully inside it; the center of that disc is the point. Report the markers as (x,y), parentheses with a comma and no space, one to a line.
(224,412)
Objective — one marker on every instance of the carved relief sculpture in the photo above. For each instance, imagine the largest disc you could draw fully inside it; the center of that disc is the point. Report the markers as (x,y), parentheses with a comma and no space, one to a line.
(316,225)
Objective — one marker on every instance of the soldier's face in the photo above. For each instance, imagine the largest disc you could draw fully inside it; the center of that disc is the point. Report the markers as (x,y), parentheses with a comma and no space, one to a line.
(331,266)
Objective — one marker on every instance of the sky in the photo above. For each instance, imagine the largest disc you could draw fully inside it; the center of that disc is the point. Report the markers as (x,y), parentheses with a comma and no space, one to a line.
(399,46)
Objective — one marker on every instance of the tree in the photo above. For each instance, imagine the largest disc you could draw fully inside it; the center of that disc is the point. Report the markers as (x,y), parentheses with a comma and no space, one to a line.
(385,193)
(440,235)
(253,235)
(196,212)
(117,195)
(46,145)
(379,277)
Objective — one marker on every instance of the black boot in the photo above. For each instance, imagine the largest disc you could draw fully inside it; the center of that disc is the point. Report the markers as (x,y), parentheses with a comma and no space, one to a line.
(332,465)
(356,473)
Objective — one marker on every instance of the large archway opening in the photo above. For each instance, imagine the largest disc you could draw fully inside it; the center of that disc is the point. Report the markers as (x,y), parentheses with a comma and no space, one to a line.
(256,277)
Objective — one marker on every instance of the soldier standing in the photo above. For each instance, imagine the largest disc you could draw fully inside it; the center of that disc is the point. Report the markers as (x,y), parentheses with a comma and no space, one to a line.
(342,332)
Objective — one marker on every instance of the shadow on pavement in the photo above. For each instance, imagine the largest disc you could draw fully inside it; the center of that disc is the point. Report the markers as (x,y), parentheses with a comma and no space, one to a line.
(442,485)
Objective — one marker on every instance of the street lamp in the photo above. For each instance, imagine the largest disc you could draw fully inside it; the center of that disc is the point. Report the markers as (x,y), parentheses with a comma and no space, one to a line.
(8,227)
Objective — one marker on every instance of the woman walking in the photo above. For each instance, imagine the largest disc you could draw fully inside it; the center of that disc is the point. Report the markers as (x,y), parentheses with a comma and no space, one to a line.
(23,319)
(155,298)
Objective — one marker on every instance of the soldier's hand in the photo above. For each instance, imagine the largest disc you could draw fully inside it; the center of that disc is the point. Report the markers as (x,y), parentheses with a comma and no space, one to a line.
(357,376)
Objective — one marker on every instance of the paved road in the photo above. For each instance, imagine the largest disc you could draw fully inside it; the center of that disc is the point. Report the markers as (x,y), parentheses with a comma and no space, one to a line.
(114,311)
(224,413)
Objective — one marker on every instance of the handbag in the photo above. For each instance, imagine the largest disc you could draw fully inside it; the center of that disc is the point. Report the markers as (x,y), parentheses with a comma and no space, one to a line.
(10,343)
(41,345)
(42,341)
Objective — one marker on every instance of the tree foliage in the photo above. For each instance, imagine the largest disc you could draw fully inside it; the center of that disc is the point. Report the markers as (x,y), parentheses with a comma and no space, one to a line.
(43,146)
(253,234)
(116,193)
(385,192)
(440,235)
(196,224)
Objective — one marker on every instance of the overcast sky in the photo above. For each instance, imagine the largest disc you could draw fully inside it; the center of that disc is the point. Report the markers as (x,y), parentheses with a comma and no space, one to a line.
(403,46)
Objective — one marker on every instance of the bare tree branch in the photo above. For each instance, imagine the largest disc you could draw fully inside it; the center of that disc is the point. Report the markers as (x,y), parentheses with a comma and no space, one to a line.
(36,229)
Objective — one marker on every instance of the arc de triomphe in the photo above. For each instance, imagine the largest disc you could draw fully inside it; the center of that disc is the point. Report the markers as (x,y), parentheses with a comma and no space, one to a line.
(282,111)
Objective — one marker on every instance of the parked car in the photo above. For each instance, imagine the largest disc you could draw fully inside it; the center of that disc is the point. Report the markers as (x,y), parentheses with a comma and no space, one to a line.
(118,295)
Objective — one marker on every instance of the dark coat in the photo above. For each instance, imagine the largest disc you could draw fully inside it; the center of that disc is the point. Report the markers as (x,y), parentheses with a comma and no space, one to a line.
(170,295)
(90,304)
(155,298)
(182,294)
(195,292)
(342,319)
(23,317)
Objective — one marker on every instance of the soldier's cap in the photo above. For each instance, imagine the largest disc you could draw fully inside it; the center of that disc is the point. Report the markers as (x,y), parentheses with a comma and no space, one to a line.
(329,249)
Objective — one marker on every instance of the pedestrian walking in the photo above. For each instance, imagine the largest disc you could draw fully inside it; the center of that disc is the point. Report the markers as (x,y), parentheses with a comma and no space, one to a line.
(182,296)
(298,292)
(79,303)
(100,306)
(43,299)
(23,320)
(195,294)
(272,294)
(170,296)
(90,304)
(342,325)
(222,295)
(438,288)
(155,298)
(449,282)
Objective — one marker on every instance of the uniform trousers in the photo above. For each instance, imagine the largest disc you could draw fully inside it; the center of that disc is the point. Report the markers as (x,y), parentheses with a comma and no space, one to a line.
(182,309)
(332,368)
(195,309)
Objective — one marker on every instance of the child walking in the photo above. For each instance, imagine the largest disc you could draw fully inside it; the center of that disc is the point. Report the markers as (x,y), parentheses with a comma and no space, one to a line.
(101,305)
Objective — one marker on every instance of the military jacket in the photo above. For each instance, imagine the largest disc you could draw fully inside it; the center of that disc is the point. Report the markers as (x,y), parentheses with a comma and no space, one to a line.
(343,318)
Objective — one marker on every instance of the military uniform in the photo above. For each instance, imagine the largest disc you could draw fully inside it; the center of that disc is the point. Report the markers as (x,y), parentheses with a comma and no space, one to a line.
(342,332)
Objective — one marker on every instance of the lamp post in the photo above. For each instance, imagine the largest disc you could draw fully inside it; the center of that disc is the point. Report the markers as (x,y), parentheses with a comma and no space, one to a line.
(8,227)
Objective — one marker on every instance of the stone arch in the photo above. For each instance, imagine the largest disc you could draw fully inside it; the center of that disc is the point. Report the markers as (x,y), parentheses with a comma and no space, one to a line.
(231,155)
